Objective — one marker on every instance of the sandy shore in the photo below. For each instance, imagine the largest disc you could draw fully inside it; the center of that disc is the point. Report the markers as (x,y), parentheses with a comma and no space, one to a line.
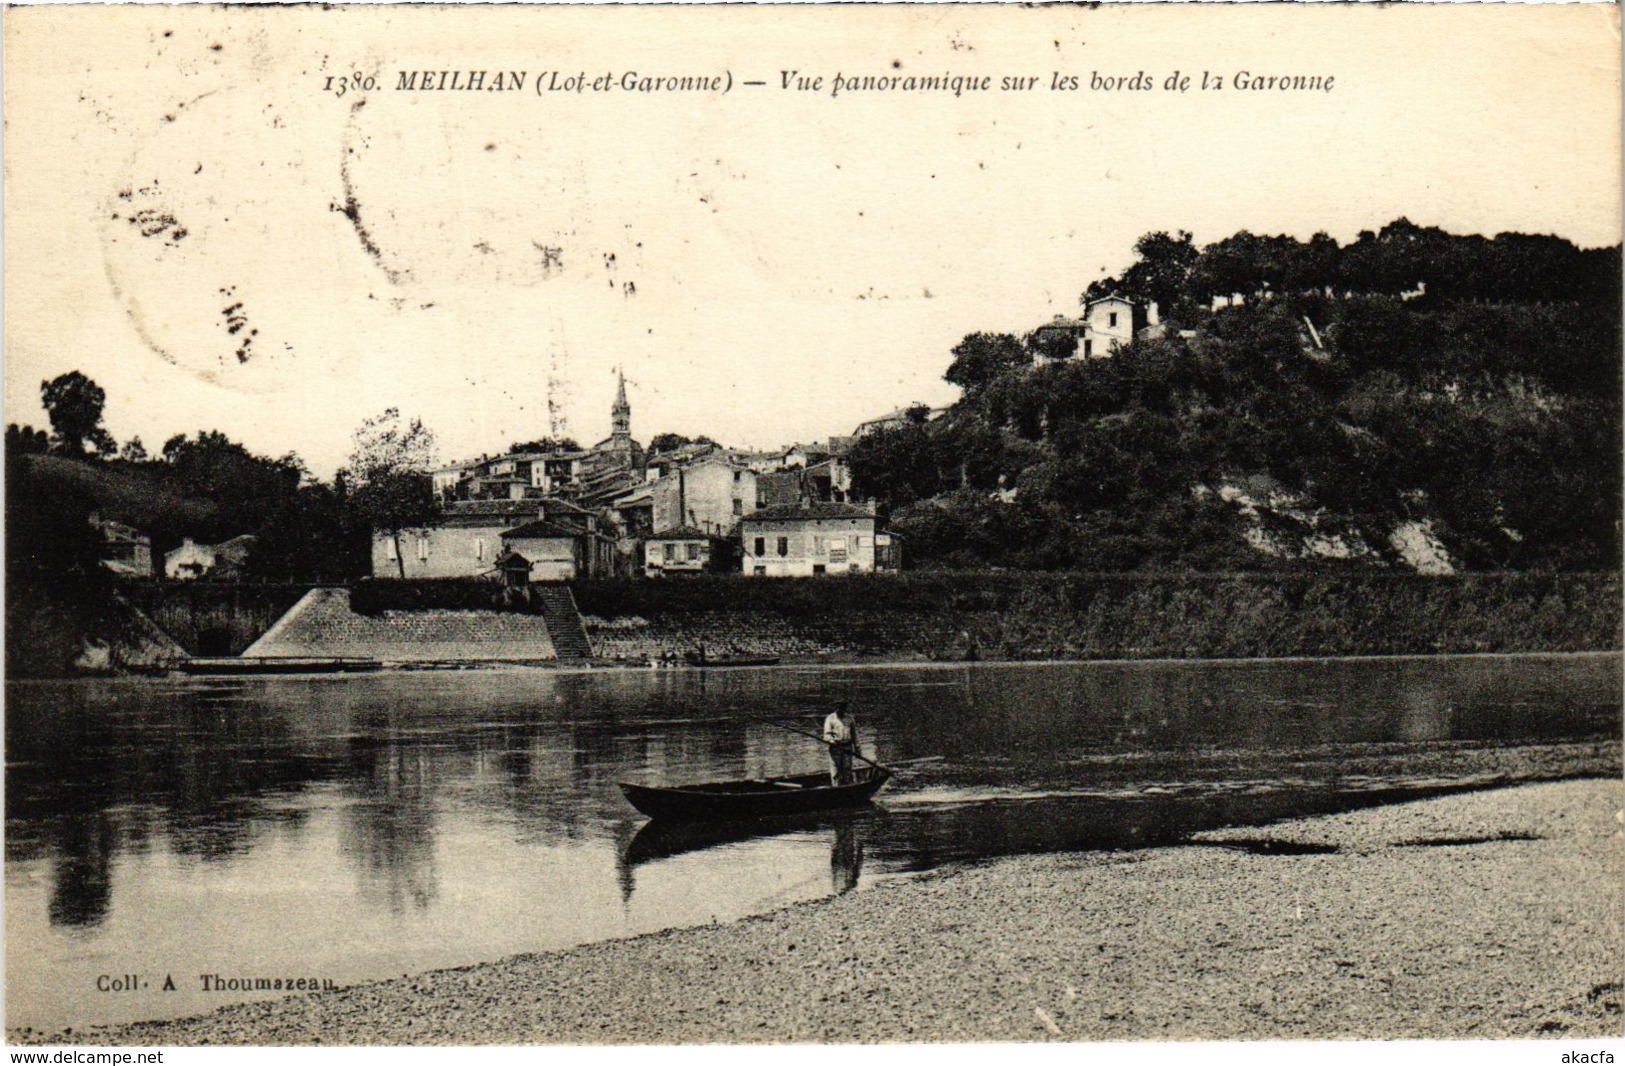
(1485,915)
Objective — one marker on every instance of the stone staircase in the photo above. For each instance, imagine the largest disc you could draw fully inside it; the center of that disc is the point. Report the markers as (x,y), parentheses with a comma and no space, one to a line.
(558,608)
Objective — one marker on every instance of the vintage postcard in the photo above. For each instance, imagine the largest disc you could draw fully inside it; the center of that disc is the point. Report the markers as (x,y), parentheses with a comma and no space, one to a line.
(812,524)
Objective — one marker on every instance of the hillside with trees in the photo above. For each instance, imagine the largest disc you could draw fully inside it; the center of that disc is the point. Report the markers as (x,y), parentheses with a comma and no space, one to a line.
(1413,399)
(206,486)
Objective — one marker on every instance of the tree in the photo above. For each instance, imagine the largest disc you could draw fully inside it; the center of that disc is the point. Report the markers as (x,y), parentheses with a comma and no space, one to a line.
(26,440)
(981,358)
(389,475)
(897,465)
(1312,267)
(134,451)
(544,444)
(1160,274)
(670,442)
(245,489)
(74,404)
(311,537)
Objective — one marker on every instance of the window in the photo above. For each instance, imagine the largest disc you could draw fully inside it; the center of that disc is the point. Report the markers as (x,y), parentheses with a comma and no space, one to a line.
(1111,319)
(759,571)
(818,544)
(818,568)
(739,506)
(423,548)
(693,553)
(784,546)
(479,547)
(736,478)
(671,553)
(761,546)
(389,549)
(1088,348)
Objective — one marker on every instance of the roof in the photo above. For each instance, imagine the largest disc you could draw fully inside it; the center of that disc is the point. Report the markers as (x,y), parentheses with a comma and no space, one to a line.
(1113,298)
(829,463)
(791,512)
(539,528)
(119,533)
(510,557)
(684,533)
(491,507)
(902,415)
(470,513)
(673,462)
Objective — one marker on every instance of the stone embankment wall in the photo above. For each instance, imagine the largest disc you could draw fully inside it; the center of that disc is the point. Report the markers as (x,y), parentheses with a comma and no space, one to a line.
(323,624)
(990,616)
(1081,616)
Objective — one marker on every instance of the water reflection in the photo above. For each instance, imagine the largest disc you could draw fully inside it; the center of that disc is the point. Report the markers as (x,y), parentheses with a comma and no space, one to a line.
(845,859)
(843,830)
(388,833)
(83,882)
(409,820)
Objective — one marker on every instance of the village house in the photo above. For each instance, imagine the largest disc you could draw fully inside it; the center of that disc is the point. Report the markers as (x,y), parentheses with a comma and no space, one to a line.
(463,543)
(809,540)
(633,512)
(125,550)
(561,541)
(220,562)
(445,480)
(684,550)
(559,552)
(710,495)
(829,481)
(761,462)
(1106,325)
(660,464)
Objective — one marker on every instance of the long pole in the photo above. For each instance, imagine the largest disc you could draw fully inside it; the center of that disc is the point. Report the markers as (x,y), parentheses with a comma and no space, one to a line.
(817,737)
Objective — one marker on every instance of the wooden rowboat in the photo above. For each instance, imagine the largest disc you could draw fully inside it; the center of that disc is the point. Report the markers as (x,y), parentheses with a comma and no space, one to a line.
(719,800)
(281,664)
(696,659)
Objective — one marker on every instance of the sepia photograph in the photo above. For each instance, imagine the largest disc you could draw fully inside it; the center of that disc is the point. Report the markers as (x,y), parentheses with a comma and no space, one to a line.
(813,524)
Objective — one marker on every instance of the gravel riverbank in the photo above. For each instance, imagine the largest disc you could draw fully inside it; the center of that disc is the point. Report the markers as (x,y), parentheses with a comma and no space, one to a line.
(1493,914)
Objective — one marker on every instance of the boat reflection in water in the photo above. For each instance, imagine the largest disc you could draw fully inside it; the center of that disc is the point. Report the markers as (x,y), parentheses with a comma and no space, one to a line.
(659,840)
(912,834)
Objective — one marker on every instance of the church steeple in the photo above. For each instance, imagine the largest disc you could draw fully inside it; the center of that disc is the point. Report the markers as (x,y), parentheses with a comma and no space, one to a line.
(621,413)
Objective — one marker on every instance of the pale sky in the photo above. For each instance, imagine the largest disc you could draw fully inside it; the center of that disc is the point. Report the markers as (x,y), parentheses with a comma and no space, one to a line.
(785,264)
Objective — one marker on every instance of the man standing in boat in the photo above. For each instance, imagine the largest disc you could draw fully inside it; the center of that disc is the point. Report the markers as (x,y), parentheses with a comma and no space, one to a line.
(841,734)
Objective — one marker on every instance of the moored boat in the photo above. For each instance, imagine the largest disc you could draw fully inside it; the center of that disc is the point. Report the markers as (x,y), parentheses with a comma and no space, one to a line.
(755,798)
(696,659)
(289,664)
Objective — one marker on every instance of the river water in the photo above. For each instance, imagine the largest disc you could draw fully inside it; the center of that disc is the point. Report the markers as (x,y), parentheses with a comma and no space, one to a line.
(356,828)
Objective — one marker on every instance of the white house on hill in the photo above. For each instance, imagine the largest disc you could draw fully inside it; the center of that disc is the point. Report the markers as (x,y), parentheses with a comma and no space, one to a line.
(1105,326)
